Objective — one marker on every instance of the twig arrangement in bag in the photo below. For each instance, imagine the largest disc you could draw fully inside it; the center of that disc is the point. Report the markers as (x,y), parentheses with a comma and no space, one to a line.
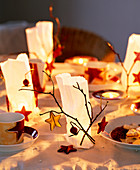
(53,120)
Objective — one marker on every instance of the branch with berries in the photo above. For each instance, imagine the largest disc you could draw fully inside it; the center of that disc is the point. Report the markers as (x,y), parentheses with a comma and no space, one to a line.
(76,126)
(136,76)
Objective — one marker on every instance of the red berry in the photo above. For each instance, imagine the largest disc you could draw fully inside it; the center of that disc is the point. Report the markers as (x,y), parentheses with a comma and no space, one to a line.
(74,130)
(25,82)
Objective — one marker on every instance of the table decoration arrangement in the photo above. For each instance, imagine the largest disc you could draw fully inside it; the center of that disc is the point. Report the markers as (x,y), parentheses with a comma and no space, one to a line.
(74,93)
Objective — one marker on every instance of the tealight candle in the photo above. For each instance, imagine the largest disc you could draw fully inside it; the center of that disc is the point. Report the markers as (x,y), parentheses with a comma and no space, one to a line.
(81,61)
(110,94)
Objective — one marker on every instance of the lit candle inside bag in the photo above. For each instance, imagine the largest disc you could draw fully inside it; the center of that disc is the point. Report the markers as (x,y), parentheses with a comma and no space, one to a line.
(74,104)
(81,61)
(14,71)
(132,65)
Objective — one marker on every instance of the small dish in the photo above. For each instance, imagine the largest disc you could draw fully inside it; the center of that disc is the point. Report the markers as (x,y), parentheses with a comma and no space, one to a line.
(115,96)
(30,136)
(78,63)
(120,122)
(135,107)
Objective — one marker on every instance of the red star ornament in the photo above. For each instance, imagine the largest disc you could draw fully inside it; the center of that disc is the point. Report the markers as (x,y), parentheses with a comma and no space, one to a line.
(18,129)
(102,125)
(50,66)
(24,112)
(67,149)
(93,73)
(137,77)
(137,56)
(58,51)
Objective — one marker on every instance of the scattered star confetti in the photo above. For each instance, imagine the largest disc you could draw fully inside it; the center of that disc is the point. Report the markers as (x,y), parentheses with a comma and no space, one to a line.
(53,121)
(102,125)
(67,149)
(137,77)
(24,112)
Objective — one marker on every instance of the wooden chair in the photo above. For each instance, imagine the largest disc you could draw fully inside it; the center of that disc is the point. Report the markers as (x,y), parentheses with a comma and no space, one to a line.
(78,42)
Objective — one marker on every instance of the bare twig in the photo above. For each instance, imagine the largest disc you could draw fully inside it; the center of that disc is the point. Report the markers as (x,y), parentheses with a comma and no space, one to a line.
(86,103)
(93,122)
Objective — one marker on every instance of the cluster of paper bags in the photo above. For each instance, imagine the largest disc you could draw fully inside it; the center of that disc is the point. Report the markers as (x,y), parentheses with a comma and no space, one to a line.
(40,45)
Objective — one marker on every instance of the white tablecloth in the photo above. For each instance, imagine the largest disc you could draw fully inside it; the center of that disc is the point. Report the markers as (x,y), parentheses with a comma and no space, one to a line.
(43,153)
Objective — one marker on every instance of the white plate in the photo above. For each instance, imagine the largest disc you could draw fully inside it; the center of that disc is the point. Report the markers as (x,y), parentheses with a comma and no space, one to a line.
(119,122)
(30,136)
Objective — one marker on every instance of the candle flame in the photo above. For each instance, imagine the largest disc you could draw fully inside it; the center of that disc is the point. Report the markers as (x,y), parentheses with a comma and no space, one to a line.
(110,94)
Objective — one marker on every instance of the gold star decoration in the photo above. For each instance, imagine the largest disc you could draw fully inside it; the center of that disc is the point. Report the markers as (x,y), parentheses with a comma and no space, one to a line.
(53,121)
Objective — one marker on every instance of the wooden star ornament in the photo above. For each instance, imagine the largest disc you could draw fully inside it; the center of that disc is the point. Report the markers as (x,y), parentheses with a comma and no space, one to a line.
(67,149)
(102,125)
(53,121)
(24,112)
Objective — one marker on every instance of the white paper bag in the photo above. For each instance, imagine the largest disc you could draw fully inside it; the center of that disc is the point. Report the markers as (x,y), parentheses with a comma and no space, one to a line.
(14,73)
(40,41)
(73,102)
(132,47)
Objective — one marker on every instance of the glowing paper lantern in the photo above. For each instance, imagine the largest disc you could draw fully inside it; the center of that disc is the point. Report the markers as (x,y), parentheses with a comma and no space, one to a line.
(132,65)
(40,41)
(74,104)
(14,72)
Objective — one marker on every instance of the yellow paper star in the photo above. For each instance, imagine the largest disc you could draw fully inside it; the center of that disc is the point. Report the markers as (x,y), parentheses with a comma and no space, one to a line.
(53,121)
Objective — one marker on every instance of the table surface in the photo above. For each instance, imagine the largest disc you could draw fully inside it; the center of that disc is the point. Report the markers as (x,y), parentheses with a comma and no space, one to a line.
(42,154)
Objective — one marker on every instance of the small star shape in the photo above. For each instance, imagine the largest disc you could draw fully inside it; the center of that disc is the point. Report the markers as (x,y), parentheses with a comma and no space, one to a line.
(24,112)
(18,129)
(53,121)
(50,66)
(137,77)
(94,73)
(58,51)
(137,56)
(67,149)
(102,125)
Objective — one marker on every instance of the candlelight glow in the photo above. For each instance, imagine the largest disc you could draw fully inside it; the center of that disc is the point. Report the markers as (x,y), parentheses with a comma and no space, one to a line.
(20,106)
(80,60)
(110,94)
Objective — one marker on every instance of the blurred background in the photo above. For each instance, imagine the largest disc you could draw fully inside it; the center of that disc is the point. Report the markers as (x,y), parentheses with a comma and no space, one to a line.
(114,20)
